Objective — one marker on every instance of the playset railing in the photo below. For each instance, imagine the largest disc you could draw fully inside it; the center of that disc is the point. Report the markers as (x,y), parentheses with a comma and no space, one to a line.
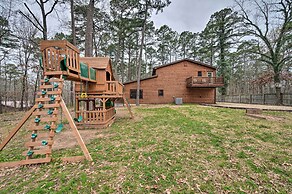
(60,55)
(114,87)
(96,116)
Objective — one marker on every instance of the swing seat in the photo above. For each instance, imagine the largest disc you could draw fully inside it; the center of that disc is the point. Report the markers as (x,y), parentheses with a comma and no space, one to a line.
(59,128)
(79,119)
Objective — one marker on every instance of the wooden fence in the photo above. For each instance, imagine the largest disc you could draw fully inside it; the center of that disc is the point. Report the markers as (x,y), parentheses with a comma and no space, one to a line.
(270,99)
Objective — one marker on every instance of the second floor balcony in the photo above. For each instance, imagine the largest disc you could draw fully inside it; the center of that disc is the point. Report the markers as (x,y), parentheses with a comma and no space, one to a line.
(204,82)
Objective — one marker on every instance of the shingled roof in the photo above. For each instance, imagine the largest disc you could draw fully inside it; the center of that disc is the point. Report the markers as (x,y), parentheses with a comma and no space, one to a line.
(189,60)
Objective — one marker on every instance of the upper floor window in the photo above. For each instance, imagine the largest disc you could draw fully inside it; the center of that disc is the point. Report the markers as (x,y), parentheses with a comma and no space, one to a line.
(199,73)
(210,74)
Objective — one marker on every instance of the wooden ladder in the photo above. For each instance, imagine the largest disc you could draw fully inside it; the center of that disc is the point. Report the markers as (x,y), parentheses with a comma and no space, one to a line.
(45,121)
(45,113)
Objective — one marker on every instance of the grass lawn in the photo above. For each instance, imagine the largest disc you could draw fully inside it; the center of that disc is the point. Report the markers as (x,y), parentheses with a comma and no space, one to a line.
(167,149)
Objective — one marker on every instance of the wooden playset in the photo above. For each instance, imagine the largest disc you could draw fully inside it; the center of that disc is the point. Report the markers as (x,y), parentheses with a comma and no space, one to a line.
(95,92)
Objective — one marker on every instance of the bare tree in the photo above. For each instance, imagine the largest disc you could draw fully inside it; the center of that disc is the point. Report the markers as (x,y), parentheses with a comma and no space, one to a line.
(270,24)
(40,25)
(25,33)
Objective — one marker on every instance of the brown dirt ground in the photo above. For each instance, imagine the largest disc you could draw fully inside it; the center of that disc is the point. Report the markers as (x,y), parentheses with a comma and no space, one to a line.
(66,139)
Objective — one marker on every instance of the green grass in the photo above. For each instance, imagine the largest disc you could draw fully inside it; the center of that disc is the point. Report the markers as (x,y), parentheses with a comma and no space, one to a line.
(168,149)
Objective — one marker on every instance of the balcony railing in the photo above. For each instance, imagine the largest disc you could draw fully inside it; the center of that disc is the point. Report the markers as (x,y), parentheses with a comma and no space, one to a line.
(197,82)
(114,88)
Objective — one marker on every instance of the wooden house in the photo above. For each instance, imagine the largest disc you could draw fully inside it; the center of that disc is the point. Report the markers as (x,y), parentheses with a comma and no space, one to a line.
(193,81)
(95,102)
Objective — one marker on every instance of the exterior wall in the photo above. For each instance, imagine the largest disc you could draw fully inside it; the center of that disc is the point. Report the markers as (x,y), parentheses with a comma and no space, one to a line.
(172,80)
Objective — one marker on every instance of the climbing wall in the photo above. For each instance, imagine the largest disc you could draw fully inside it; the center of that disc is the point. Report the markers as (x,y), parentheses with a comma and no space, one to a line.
(45,118)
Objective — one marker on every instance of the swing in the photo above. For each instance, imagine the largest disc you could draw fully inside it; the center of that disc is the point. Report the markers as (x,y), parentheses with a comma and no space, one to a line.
(79,119)
(83,95)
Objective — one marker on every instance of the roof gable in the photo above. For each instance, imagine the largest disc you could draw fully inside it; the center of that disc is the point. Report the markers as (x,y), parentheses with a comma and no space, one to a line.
(189,60)
(96,62)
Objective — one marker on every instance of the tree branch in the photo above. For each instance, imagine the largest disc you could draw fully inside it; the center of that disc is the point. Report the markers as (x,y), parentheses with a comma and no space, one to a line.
(40,29)
(32,16)
(52,8)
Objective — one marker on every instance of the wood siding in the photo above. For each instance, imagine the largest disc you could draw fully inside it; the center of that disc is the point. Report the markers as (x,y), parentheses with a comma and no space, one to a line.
(172,80)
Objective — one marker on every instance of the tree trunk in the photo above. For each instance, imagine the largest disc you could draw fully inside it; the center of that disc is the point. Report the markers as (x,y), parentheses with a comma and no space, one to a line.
(89,30)
(14,94)
(129,64)
(74,43)
(45,28)
(5,85)
(140,56)
(278,88)
(1,106)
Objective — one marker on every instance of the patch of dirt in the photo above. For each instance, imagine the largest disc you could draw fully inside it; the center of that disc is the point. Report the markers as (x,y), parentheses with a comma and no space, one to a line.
(122,112)
(267,117)
(66,139)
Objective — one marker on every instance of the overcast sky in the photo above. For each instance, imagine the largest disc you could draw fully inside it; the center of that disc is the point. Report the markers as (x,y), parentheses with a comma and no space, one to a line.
(189,15)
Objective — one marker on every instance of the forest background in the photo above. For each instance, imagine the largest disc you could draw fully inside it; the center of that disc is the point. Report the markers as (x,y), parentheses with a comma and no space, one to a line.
(249,43)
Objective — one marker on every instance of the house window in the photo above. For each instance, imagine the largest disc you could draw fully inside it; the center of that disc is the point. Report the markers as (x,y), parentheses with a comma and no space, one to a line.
(133,94)
(210,74)
(199,73)
(160,92)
